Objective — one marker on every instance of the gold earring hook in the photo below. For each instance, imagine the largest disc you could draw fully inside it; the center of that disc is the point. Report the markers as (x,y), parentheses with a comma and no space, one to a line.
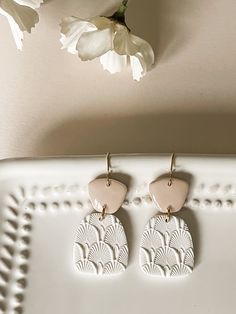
(172,169)
(108,155)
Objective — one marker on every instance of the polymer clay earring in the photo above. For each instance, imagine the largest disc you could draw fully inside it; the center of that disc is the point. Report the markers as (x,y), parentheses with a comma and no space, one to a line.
(166,244)
(101,245)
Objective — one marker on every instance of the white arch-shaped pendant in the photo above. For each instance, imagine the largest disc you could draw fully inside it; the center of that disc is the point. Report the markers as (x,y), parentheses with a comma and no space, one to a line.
(101,246)
(166,248)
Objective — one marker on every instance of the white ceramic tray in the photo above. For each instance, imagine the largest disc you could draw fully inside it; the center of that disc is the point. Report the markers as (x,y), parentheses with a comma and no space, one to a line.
(42,203)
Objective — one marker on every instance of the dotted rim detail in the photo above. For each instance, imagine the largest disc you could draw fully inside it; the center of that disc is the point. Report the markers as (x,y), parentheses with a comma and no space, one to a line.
(18,217)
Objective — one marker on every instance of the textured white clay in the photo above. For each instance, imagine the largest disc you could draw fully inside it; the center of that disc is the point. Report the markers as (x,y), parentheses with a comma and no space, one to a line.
(112,196)
(101,246)
(166,196)
(166,248)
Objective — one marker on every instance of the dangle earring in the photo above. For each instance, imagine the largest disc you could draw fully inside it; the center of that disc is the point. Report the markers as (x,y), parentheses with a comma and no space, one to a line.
(101,245)
(166,244)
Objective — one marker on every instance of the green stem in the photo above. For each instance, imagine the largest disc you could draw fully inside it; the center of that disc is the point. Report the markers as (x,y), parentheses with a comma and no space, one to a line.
(119,15)
(123,7)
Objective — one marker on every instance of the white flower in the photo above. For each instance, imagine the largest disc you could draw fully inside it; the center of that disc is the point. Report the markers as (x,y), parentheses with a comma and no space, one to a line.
(21,16)
(111,40)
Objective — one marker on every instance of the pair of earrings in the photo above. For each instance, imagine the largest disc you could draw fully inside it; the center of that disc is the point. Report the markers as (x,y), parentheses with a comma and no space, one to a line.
(166,244)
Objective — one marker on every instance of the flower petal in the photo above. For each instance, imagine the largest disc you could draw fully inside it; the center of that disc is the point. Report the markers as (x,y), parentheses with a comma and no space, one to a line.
(16,32)
(137,68)
(34,4)
(20,17)
(25,17)
(145,50)
(94,44)
(113,62)
(123,44)
(71,30)
(102,22)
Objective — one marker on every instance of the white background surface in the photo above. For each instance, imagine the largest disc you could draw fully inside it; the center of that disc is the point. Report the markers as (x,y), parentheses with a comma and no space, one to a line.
(52,103)
(53,283)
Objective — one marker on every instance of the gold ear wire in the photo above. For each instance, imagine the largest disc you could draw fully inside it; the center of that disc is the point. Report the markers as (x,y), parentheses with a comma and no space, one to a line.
(108,155)
(172,169)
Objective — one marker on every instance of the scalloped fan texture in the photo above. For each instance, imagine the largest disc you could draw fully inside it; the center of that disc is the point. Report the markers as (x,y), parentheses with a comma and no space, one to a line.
(102,244)
(166,248)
